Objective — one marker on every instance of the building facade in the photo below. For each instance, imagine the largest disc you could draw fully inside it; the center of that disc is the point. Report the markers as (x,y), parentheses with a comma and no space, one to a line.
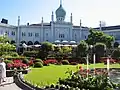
(56,30)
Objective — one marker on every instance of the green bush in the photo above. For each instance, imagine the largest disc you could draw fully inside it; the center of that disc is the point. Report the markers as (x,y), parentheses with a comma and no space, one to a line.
(25,61)
(7,61)
(38,60)
(30,53)
(65,62)
(38,65)
(116,53)
(14,54)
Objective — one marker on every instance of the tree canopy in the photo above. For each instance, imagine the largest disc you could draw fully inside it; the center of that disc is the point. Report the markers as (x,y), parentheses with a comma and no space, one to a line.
(96,36)
(82,48)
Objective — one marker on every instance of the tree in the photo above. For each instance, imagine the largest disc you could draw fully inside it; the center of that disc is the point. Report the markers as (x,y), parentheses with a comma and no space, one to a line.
(99,50)
(5,47)
(46,47)
(82,48)
(65,50)
(96,36)
(116,54)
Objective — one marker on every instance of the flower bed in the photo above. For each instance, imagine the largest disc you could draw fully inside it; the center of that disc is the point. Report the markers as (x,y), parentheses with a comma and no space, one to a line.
(17,64)
(50,61)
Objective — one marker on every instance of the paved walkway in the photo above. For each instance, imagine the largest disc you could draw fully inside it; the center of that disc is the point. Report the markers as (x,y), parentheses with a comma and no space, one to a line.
(9,85)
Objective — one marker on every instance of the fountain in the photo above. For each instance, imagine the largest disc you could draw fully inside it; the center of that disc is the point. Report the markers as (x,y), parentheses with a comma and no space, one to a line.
(108,66)
(94,62)
(87,65)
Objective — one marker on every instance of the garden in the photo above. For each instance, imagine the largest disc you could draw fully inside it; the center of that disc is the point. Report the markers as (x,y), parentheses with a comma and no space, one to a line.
(88,66)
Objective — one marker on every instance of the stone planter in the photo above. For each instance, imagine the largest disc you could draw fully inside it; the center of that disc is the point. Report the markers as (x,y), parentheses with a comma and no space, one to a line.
(10,73)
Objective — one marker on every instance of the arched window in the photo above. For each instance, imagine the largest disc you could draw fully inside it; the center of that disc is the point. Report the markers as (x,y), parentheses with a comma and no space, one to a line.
(36,42)
(30,43)
(12,42)
(23,42)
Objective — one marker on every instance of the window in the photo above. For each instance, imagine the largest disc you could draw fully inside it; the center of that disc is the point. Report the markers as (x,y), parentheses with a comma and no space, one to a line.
(7,33)
(23,34)
(61,35)
(13,33)
(46,34)
(75,36)
(30,34)
(36,34)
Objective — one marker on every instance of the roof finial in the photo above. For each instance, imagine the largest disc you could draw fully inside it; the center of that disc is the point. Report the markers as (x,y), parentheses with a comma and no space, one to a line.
(60,2)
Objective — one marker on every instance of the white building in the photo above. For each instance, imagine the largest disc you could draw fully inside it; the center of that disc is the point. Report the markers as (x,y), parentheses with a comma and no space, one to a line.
(57,30)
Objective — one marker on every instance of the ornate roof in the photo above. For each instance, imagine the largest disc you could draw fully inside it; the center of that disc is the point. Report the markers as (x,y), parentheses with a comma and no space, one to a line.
(60,12)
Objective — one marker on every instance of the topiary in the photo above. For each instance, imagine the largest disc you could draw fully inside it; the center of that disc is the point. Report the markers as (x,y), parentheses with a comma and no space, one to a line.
(38,65)
(73,63)
(38,60)
(25,61)
(65,62)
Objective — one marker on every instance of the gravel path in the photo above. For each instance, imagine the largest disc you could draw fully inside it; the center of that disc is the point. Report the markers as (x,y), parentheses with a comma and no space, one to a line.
(9,85)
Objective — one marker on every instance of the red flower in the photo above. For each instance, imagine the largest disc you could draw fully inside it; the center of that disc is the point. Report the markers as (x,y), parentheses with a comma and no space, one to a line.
(87,71)
(30,62)
(50,61)
(9,65)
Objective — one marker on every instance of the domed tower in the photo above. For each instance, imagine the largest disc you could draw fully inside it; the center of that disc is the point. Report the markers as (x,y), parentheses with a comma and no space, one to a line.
(60,13)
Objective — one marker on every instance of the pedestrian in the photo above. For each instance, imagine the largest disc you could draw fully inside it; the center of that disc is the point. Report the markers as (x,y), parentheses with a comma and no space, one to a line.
(1,73)
(4,69)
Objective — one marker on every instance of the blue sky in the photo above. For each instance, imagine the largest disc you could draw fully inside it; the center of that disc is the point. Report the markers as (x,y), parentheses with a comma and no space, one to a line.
(90,11)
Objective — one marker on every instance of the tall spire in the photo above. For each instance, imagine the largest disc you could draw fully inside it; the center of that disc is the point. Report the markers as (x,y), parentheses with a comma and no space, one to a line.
(60,2)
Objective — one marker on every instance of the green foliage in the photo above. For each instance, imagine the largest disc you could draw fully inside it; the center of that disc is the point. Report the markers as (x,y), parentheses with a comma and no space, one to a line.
(9,54)
(96,36)
(30,53)
(82,48)
(100,47)
(4,39)
(38,65)
(7,61)
(5,47)
(25,61)
(65,50)
(65,62)
(116,53)
(38,60)
(98,82)
(116,44)
(46,47)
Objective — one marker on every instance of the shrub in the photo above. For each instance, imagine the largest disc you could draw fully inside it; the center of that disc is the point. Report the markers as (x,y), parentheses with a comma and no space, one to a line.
(73,63)
(7,61)
(38,65)
(14,54)
(65,62)
(30,53)
(25,61)
(38,60)
(116,53)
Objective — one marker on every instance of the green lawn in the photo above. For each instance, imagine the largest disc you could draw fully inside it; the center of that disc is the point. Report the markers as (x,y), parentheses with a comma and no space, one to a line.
(50,74)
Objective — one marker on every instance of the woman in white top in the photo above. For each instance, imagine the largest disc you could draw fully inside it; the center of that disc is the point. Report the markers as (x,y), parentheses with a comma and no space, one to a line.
(1,73)
(4,69)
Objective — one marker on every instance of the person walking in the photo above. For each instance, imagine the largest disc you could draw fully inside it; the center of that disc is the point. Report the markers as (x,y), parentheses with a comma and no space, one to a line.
(4,69)
(1,73)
